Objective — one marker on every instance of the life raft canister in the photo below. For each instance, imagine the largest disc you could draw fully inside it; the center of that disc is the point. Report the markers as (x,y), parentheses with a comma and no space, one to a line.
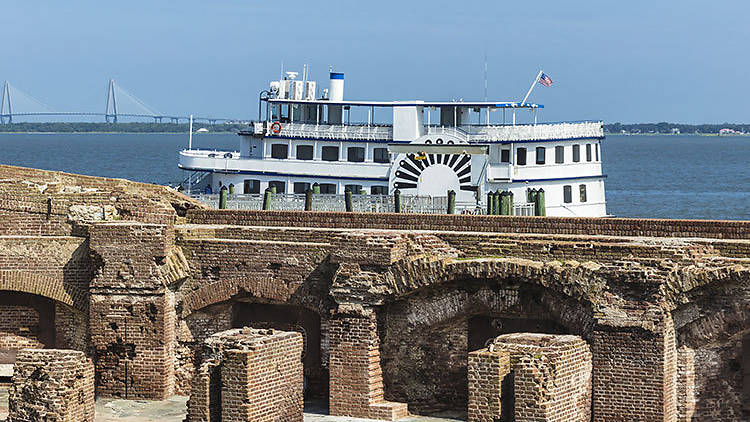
(276,127)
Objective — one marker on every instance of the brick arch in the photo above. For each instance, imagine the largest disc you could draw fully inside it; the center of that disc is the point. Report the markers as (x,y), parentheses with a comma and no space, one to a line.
(44,285)
(576,281)
(264,287)
(442,306)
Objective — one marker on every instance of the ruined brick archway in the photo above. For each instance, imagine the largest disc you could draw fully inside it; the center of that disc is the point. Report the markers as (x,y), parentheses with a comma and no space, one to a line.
(426,335)
(718,343)
(256,302)
(45,286)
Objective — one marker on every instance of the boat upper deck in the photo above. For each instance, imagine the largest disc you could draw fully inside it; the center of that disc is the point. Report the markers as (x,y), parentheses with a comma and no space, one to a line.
(472,133)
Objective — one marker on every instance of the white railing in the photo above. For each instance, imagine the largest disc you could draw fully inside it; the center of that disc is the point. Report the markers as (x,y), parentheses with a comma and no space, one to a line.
(360,203)
(465,133)
(326,131)
(523,209)
(455,132)
(535,132)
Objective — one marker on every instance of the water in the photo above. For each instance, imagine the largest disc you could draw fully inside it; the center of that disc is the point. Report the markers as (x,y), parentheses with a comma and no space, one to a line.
(704,177)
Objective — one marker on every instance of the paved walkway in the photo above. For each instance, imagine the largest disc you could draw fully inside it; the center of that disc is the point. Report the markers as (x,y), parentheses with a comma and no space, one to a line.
(173,410)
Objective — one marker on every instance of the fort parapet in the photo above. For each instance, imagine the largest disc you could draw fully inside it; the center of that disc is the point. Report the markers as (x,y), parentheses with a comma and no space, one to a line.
(389,306)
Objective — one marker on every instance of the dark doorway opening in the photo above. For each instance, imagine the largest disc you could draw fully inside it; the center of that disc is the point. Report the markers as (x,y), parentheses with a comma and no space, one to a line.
(290,318)
(508,398)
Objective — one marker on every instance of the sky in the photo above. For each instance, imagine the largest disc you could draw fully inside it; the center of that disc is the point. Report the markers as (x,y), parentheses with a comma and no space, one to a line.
(621,61)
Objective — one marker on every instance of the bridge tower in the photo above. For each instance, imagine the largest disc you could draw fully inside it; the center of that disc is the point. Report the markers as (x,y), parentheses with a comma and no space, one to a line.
(3,113)
(111,99)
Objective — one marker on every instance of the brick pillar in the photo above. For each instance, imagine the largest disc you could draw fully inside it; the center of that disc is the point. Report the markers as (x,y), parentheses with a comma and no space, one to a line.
(635,369)
(131,312)
(356,379)
(685,384)
(486,371)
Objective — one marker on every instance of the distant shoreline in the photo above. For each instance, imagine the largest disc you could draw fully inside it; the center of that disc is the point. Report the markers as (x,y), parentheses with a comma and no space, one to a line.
(734,135)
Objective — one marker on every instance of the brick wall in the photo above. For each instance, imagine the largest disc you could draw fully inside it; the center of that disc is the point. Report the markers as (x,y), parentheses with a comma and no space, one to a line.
(356,386)
(685,384)
(258,373)
(551,376)
(132,313)
(486,373)
(436,222)
(38,202)
(52,385)
(635,372)
(19,328)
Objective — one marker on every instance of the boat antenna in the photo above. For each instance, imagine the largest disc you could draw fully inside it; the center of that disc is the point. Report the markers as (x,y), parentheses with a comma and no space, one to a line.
(190,137)
(485,76)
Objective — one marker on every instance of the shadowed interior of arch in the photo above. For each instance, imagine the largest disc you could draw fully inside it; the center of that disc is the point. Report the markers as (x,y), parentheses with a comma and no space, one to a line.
(426,338)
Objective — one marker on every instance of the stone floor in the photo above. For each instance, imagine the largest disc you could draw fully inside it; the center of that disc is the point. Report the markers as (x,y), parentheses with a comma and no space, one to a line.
(173,410)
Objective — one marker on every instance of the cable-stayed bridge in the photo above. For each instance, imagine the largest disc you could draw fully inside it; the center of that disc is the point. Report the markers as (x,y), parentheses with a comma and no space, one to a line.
(120,103)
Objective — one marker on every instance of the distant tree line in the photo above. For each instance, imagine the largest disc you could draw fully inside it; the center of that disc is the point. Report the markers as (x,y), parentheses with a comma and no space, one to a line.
(63,127)
(665,127)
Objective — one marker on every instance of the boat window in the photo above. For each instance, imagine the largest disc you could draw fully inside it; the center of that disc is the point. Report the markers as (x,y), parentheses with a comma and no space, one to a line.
(280,186)
(279,151)
(355,154)
(576,153)
(330,153)
(567,194)
(588,152)
(559,154)
(251,186)
(301,187)
(505,156)
(379,190)
(541,153)
(583,192)
(304,152)
(329,188)
(380,155)
(521,156)
(355,189)
(596,148)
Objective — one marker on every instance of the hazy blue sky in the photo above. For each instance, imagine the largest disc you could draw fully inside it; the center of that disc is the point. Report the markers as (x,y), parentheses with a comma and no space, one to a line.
(627,61)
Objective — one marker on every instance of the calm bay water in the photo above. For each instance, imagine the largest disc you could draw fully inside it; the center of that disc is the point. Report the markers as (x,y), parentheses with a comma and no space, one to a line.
(703,177)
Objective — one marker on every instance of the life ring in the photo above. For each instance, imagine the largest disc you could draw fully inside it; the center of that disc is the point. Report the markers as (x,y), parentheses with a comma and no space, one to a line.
(276,127)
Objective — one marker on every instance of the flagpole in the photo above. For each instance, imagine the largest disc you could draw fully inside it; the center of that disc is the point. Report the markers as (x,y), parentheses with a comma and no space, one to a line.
(531,88)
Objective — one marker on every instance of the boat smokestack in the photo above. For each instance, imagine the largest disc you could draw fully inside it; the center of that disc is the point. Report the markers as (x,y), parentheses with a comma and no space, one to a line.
(335,93)
(336,87)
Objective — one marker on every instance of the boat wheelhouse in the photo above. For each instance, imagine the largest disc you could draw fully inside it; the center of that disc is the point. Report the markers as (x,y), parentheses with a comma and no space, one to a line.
(421,148)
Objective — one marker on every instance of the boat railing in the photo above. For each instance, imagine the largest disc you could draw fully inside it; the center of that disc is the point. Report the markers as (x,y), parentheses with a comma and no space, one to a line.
(453,131)
(543,131)
(410,204)
(334,132)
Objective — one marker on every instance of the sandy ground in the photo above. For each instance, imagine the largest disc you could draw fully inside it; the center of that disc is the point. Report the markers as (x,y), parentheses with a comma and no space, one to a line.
(173,410)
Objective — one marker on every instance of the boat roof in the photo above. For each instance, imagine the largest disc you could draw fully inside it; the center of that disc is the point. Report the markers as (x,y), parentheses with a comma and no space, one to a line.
(480,104)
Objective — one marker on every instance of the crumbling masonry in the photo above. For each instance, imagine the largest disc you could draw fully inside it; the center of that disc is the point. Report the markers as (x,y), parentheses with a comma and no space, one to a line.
(389,307)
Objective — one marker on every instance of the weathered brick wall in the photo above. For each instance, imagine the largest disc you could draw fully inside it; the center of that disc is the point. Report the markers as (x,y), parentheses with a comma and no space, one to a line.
(685,384)
(52,385)
(356,387)
(38,202)
(19,328)
(132,312)
(551,376)
(191,332)
(258,373)
(487,369)
(500,224)
(635,370)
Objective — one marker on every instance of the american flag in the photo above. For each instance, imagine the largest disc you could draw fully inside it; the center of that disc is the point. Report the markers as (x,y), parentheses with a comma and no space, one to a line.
(545,80)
